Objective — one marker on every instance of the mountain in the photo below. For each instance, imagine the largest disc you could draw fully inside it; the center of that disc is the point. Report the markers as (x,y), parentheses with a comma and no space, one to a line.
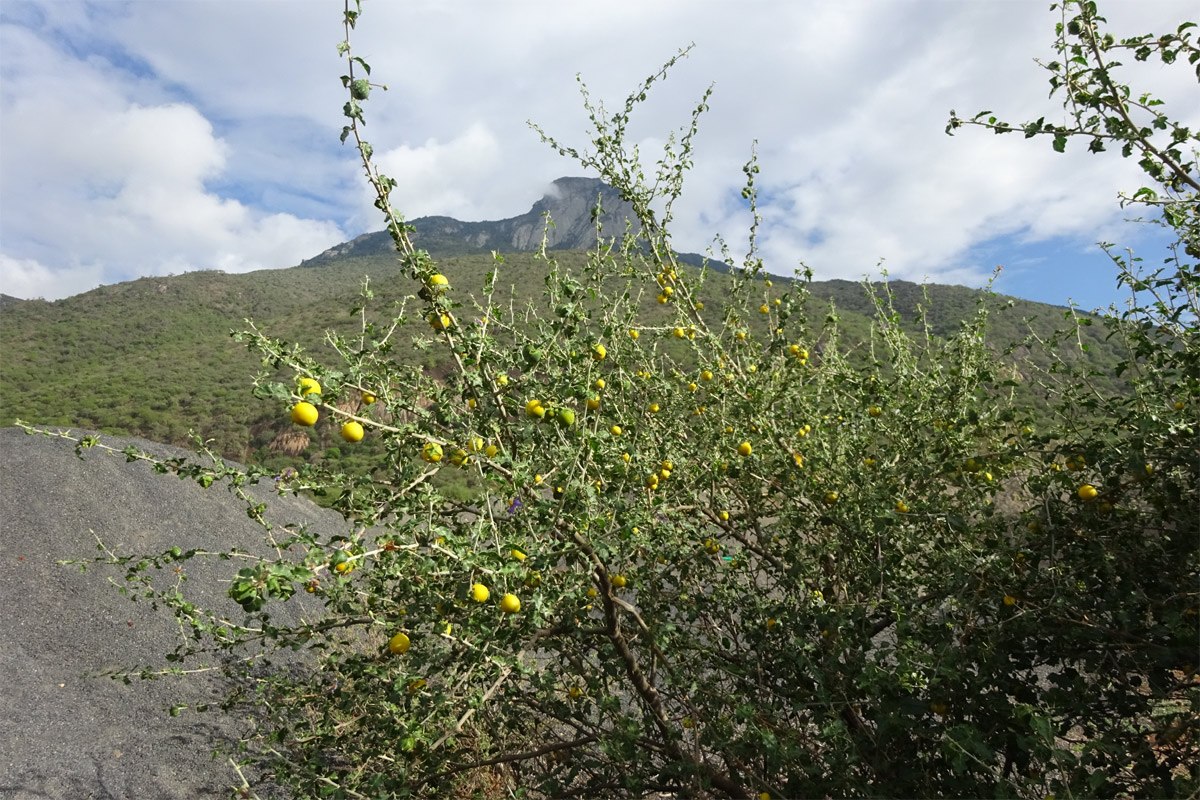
(568,202)
(153,358)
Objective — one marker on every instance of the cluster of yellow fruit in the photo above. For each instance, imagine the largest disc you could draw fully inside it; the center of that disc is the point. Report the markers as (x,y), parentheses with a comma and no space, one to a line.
(565,416)
(305,413)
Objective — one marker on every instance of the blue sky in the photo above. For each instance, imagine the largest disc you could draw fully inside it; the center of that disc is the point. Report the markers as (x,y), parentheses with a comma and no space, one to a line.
(145,138)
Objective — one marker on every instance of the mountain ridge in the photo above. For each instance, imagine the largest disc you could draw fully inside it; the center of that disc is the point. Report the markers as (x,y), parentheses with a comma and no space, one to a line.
(568,203)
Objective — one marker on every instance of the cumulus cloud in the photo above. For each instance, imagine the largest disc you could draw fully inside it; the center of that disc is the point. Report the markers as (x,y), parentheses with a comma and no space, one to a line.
(132,141)
(100,188)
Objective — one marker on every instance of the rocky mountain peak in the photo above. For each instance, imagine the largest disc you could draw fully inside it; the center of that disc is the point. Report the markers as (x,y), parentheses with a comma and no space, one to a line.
(568,202)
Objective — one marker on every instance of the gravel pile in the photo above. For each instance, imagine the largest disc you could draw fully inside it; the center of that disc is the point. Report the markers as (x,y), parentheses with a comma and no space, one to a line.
(65,735)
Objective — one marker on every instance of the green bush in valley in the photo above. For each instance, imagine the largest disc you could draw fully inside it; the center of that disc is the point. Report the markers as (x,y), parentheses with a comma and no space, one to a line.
(706,558)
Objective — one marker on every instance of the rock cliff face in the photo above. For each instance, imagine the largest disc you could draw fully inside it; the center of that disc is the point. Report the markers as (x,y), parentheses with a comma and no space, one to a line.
(568,202)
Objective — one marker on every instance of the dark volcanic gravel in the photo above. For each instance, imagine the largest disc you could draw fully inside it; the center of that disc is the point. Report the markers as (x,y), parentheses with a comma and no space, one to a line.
(63,735)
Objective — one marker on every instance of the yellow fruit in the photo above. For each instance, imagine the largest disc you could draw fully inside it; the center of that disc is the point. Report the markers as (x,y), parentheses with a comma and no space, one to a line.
(711,547)
(633,334)
(439,321)
(699,306)
(618,581)
(368,398)
(724,515)
(593,403)
(475,443)
(352,432)
(416,686)
(1009,600)
(830,498)
(599,352)
(874,411)
(309,386)
(764,309)
(398,644)
(472,402)
(706,376)
(480,593)
(1180,405)
(615,430)
(491,450)
(744,449)
(741,335)
(304,414)
(1087,492)
(534,409)
(625,457)
(432,452)
(459,458)
(518,555)
(668,291)
(575,692)
(654,408)
(662,299)
(510,604)
(438,282)
(502,380)
(679,333)
(902,507)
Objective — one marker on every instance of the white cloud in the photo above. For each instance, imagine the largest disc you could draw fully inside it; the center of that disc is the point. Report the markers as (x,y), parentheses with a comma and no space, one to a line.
(157,147)
(99,188)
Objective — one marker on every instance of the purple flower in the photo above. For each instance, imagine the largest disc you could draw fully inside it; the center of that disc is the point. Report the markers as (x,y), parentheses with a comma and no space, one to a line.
(516,503)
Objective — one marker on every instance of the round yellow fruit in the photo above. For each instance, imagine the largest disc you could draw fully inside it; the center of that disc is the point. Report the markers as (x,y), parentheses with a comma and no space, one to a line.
(633,334)
(304,414)
(480,593)
(874,411)
(654,408)
(1180,405)
(534,409)
(706,376)
(830,498)
(599,352)
(510,604)
(618,581)
(439,321)
(309,386)
(368,398)
(518,555)
(432,452)
(615,430)
(438,282)
(491,450)
(399,644)
(1087,492)
(352,432)
(902,507)
(593,403)
(745,449)
(575,692)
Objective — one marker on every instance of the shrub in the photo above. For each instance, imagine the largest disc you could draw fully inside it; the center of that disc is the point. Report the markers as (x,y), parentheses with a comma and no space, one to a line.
(746,564)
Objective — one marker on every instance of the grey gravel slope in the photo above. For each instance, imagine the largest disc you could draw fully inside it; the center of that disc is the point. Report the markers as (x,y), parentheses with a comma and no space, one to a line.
(67,736)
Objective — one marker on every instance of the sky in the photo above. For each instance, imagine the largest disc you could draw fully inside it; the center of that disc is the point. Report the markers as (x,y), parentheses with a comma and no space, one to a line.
(165,136)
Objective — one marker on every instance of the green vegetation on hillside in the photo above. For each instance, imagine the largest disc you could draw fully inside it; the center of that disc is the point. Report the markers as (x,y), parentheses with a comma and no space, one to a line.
(153,358)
